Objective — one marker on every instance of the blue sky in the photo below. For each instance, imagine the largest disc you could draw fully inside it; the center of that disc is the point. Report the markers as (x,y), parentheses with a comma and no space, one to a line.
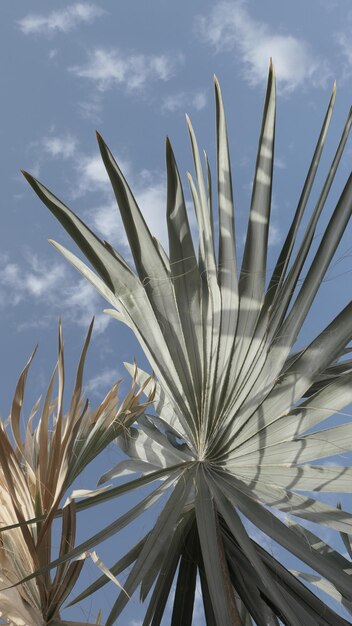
(132,70)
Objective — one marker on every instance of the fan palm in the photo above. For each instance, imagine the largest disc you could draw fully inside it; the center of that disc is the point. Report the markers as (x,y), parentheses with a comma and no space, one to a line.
(235,406)
(35,473)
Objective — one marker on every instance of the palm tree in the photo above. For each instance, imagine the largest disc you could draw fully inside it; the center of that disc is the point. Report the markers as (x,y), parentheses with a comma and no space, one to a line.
(232,439)
(35,473)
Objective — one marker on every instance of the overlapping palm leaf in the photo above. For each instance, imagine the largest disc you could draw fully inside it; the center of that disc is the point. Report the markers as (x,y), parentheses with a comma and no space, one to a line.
(35,473)
(234,402)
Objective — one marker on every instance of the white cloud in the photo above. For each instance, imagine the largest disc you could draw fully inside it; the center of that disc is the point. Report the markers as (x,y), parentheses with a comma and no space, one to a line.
(38,284)
(344,42)
(10,282)
(80,301)
(62,20)
(51,287)
(151,197)
(148,188)
(150,194)
(183,100)
(34,281)
(329,5)
(102,382)
(279,163)
(346,46)
(91,109)
(92,175)
(108,68)
(52,145)
(63,147)
(107,221)
(229,26)
(93,170)
(275,234)
(200,100)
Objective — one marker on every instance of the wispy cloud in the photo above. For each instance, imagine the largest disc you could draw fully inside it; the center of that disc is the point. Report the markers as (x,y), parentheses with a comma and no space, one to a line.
(279,163)
(183,100)
(62,20)
(229,26)
(148,187)
(344,42)
(108,68)
(63,147)
(53,288)
(81,302)
(151,196)
(52,146)
(92,175)
(275,234)
(33,281)
(102,382)
(91,108)
(106,220)
(150,193)
(346,46)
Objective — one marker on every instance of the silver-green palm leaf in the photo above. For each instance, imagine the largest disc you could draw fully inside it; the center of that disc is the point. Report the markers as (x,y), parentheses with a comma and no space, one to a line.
(233,402)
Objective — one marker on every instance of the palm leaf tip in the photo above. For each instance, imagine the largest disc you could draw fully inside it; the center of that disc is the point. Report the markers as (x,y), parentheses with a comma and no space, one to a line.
(239,414)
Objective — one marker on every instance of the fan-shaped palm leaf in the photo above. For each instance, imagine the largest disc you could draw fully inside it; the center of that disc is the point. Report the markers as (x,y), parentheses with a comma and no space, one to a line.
(233,402)
(35,473)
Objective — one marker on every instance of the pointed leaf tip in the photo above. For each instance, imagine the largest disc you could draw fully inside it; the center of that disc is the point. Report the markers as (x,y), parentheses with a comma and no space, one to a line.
(33,353)
(28,177)
(90,329)
(272,70)
(168,144)
(100,140)
(217,85)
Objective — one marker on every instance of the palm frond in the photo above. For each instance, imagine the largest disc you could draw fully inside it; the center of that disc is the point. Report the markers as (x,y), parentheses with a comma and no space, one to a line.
(234,402)
(35,473)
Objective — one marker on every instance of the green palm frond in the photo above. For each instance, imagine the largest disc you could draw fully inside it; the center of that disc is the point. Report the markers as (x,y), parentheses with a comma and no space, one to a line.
(35,474)
(234,403)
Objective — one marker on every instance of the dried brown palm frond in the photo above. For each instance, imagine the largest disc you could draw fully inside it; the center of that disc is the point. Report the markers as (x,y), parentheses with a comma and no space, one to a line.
(36,471)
